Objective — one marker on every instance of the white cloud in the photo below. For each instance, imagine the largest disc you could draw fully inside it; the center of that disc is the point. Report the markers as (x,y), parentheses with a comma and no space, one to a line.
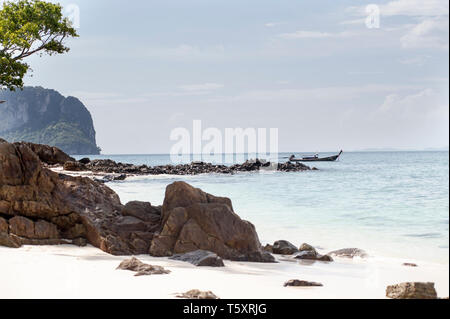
(273,24)
(354,21)
(415,60)
(430,33)
(419,106)
(332,93)
(419,8)
(429,28)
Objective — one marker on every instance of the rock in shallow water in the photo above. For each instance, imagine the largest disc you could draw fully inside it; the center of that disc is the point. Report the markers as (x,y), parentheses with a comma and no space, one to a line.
(142,269)
(194,168)
(412,290)
(308,252)
(283,247)
(200,258)
(349,253)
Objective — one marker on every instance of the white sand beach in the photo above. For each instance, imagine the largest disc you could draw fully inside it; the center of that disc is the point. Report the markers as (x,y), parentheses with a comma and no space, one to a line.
(73,272)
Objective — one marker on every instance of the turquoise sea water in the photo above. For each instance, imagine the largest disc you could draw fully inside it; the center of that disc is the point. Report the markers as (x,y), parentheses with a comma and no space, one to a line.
(392,204)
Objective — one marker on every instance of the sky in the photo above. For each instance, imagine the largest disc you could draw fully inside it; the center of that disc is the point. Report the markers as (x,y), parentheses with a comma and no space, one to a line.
(313,69)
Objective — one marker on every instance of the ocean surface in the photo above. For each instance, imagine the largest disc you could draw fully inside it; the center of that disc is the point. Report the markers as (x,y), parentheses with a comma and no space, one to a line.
(392,204)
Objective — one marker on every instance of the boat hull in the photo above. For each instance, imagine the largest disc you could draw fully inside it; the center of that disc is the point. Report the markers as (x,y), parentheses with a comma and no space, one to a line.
(323,159)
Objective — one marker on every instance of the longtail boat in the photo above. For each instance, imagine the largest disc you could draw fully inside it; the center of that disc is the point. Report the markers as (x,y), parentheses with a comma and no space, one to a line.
(316,158)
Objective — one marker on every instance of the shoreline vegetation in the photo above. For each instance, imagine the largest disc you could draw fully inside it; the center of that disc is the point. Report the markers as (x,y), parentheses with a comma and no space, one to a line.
(39,206)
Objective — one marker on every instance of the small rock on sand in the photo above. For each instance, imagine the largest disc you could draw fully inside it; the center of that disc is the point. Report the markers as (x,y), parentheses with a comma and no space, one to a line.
(348,253)
(197,294)
(301,283)
(412,290)
(142,269)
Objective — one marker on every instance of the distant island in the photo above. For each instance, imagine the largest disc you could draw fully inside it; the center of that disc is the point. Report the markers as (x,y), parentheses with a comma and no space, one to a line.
(44,116)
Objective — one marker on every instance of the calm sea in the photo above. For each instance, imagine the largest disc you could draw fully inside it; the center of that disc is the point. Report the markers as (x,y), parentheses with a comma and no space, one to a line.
(393,204)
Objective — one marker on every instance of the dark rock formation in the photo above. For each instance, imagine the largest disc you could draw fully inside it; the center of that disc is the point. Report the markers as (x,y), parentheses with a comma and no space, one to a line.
(412,290)
(301,283)
(308,252)
(38,115)
(200,258)
(142,269)
(38,204)
(197,294)
(283,247)
(349,253)
(41,207)
(193,220)
(195,168)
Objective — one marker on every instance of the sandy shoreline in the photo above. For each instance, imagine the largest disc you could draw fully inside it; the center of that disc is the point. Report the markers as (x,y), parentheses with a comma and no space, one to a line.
(73,272)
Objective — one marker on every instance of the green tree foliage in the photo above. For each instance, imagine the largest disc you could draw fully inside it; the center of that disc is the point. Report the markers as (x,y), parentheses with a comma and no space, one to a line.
(29,27)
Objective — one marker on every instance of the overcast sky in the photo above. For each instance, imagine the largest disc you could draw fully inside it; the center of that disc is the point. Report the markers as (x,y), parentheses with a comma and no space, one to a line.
(313,69)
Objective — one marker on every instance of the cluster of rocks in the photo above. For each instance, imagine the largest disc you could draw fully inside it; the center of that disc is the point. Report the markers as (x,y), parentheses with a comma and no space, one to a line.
(308,252)
(41,207)
(195,168)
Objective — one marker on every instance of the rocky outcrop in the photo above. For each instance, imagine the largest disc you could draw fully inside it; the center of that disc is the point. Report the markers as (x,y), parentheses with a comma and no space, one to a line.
(193,220)
(39,206)
(349,253)
(142,269)
(283,247)
(200,258)
(412,290)
(195,168)
(301,283)
(43,207)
